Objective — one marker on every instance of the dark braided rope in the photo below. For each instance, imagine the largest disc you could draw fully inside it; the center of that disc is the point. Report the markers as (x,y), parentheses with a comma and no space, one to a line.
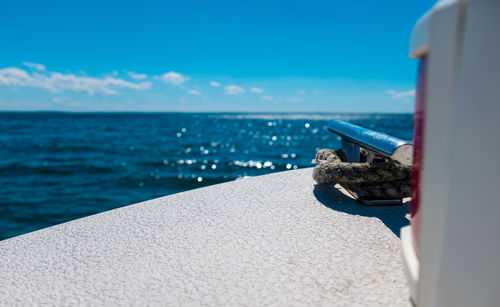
(378,180)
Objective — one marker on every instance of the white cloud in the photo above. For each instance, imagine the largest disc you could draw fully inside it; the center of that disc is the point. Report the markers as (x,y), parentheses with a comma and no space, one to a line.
(174,78)
(137,76)
(56,82)
(265,97)
(398,95)
(294,99)
(257,90)
(194,92)
(214,83)
(36,66)
(233,90)
(301,92)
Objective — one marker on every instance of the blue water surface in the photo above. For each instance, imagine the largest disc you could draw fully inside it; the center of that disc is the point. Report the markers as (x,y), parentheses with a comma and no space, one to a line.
(55,167)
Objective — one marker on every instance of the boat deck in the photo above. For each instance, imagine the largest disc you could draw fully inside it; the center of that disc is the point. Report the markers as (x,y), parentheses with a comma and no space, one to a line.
(270,240)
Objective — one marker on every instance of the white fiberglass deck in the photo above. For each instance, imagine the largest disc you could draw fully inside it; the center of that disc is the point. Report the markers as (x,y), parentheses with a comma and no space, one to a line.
(269,240)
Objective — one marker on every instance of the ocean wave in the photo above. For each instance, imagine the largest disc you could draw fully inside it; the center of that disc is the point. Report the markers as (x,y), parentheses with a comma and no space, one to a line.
(58,166)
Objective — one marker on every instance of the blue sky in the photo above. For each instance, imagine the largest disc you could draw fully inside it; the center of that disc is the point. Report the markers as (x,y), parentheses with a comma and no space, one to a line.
(307,56)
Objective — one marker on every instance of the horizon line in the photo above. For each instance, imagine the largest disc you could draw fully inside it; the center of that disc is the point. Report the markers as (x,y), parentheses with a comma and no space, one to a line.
(207,112)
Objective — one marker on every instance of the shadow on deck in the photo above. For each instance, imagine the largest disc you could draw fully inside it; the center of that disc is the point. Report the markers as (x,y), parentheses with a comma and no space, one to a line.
(394,217)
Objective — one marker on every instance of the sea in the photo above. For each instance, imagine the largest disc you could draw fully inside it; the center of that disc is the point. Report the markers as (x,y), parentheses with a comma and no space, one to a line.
(56,166)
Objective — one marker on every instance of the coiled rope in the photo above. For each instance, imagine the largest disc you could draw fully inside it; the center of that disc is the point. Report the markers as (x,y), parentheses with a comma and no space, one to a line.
(380,179)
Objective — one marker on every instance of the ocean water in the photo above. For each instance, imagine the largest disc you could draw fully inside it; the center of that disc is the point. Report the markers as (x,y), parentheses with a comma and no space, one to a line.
(56,167)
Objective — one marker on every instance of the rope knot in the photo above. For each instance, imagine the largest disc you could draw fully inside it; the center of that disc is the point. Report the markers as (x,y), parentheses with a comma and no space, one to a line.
(379,179)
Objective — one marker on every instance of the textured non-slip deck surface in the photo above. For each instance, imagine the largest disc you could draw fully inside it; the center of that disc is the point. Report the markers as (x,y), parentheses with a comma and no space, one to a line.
(269,240)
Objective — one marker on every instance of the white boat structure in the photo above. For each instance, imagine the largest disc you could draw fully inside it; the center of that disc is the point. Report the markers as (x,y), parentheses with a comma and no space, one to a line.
(452,248)
(281,240)
(269,240)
